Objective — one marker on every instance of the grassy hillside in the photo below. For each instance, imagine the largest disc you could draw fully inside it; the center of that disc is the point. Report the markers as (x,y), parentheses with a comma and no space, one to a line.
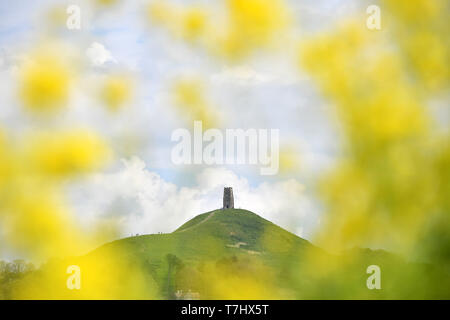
(231,244)
(236,245)
(213,235)
(235,254)
(210,238)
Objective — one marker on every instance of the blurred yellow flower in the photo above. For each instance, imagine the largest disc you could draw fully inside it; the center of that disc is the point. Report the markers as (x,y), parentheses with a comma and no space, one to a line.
(190,98)
(290,160)
(116,91)
(188,23)
(66,153)
(45,82)
(106,3)
(421,31)
(245,26)
(242,283)
(33,212)
(194,23)
(257,20)
(160,12)
(39,221)
(56,17)
(382,191)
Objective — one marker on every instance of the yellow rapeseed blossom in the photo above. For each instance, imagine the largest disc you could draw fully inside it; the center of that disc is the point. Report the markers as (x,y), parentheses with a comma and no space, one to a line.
(34,214)
(290,160)
(105,275)
(39,221)
(6,163)
(45,82)
(190,98)
(234,283)
(421,31)
(56,17)
(106,3)
(188,23)
(246,25)
(116,91)
(66,153)
(194,23)
(382,192)
(160,12)
(257,21)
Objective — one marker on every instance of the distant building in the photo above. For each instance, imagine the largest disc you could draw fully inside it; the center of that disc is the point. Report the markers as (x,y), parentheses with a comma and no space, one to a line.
(228,199)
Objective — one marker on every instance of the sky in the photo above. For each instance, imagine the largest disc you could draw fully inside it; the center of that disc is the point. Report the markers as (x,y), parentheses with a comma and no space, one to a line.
(143,188)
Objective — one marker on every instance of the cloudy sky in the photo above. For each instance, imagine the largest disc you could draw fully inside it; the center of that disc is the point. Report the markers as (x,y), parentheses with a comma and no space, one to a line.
(143,188)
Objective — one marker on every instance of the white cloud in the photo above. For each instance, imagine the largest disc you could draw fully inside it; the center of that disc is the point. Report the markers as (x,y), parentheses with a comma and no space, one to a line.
(145,203)
(98,55)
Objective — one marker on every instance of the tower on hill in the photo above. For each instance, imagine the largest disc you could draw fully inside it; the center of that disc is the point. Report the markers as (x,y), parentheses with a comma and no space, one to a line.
(228,200)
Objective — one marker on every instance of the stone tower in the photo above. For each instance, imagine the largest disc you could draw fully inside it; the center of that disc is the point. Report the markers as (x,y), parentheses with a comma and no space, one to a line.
(228,200)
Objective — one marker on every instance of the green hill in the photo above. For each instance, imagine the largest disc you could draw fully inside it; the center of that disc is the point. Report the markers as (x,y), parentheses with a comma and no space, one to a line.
(234,254)
(238,244)
(212,237)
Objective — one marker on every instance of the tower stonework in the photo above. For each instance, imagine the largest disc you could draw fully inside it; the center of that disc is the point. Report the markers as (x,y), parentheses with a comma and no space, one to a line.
(228,199)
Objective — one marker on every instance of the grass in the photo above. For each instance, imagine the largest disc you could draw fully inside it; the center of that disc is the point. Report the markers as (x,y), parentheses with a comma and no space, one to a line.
(242,247)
